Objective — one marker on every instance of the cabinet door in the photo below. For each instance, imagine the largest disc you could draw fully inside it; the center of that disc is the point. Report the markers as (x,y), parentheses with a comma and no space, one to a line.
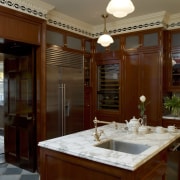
(142,76)
(130,85)
(172,69)
(175,69)
(107,87)
(151,85)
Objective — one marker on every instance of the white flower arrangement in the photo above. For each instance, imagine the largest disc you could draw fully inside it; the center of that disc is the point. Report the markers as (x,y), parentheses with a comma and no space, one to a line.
(142,105)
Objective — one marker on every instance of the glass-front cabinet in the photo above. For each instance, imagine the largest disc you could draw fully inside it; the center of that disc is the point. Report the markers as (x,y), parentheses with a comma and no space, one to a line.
(173,65)
(175,68)
(108,87)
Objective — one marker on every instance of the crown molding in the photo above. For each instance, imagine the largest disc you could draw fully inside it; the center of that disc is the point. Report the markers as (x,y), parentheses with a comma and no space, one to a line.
(32,7)
(46,11)
(149,21)
(57,19)
(174,21)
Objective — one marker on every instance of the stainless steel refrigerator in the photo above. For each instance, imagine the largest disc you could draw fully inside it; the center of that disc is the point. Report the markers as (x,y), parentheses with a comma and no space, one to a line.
(65,95)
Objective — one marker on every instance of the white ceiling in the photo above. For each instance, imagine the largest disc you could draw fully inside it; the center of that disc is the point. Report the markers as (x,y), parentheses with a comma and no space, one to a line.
(90,11)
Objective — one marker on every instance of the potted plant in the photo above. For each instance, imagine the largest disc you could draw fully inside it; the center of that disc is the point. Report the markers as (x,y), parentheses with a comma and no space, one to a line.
(173,105)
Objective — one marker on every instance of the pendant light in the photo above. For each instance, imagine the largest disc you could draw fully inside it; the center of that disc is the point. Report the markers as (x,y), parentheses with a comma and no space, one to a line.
(105,39)
(120,8)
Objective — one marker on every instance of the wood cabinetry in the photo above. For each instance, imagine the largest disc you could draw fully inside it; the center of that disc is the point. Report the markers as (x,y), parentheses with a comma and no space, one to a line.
(171,122)
(21,151)
(20,27)
(143,76)
(140,73)
(55,165)
(172,61)
(107,86)
(87,92)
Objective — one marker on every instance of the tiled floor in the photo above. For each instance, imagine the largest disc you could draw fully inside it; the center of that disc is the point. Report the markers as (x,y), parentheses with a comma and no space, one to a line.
(11,172)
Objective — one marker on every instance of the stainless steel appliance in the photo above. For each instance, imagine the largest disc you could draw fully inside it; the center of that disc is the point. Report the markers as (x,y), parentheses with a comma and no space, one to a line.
(65,92)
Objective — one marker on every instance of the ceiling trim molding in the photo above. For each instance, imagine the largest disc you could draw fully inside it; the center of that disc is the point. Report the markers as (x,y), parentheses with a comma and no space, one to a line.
(32,7)
(148,21)
(46,11)
(68,23)
(174,21)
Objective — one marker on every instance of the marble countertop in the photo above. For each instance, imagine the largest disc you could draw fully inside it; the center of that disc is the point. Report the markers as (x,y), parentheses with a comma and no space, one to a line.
(171,117)
(82,144)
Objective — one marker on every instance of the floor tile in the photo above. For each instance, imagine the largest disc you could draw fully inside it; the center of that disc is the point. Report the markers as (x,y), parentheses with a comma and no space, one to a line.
(13,171)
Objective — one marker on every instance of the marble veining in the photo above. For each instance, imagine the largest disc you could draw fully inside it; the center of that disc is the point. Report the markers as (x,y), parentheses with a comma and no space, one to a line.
(82,144)
(171,117)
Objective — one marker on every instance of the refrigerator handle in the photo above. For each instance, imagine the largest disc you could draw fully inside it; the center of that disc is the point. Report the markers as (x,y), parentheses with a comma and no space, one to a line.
(64,110)
(62,107)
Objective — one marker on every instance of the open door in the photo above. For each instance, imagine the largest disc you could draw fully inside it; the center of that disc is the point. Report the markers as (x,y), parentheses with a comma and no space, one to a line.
(19,91)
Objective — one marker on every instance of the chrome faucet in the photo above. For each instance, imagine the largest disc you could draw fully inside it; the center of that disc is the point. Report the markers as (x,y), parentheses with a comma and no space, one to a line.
(97,134)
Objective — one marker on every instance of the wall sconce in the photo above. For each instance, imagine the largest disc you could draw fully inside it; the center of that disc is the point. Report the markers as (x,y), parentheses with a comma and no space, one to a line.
(120,8)
(105,39)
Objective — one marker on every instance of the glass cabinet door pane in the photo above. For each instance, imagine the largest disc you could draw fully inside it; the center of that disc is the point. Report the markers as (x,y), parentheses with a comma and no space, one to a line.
(150,39)
(108,87)
(74,43)
(175,40)
(54,38)
(176,69)
(131,42)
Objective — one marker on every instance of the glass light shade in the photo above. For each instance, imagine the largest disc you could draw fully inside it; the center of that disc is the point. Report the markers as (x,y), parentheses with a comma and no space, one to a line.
(105,40)
(120,8)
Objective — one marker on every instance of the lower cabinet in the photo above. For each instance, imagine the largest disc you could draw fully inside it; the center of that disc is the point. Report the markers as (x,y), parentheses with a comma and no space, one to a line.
(155,168)
(20,143)
(55,165)
(171,122)
(173,161)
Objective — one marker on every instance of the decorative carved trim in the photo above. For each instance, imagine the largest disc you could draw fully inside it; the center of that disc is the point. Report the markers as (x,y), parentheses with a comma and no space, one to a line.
(62,21)
(33,7)
(45,11)
(174,22)
(149,21)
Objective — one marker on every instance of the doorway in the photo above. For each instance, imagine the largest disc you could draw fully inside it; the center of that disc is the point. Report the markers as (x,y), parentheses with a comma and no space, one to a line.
(18,117)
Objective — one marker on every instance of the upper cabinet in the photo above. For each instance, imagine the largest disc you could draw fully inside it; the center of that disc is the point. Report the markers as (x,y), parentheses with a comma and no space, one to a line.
(142,75)
(175,70)
(172,68)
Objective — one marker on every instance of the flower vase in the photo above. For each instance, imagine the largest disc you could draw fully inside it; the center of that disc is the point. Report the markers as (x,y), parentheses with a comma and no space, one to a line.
(144,120)
(175,112)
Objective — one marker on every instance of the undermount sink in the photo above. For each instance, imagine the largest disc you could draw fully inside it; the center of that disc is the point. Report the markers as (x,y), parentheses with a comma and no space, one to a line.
(120,146)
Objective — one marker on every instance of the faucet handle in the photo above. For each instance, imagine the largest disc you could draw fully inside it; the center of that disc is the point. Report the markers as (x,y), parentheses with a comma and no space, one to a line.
(97,135)
(115,124)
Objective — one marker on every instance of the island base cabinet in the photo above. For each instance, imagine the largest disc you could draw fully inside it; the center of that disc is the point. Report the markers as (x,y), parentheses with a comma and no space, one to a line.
(154,169)
(59,166)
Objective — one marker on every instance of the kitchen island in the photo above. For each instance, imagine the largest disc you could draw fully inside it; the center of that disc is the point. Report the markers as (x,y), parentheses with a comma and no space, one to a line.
(76,156)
